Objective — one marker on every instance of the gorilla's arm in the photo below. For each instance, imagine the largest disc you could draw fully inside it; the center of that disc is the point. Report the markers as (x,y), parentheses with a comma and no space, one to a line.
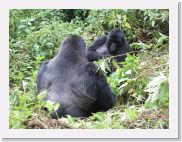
(106,98)
(92,54)
(41,78)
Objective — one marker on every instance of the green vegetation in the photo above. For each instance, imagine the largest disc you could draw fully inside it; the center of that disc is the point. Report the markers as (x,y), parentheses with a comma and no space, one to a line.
(141,85)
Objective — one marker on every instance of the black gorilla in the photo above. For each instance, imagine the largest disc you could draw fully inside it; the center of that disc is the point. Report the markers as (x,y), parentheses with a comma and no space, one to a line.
(74,82)
(111,45)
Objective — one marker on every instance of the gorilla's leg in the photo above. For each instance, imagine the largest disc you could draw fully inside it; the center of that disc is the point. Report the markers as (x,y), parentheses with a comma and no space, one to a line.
(77,112)
(71,110)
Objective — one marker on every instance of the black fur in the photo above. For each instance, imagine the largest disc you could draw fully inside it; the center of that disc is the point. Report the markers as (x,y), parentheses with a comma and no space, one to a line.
(111,45)
(73,82)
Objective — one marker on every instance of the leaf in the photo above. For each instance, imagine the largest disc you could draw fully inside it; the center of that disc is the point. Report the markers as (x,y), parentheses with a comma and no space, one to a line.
(153,23)
(122,80)
(131,113)
(124,18)
(118,16)
(145,18)
(127,25)
(155,82)
(128,72)
(107,66)
(141,45)
(154,88)
(102,66)
(115,64)
(164,91)
(123,85)
(161,40)
(71,119)
(51,105)
(98,116)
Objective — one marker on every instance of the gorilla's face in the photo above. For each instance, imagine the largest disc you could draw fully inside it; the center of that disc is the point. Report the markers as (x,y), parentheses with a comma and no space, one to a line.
(112,44)
(115,40)
(103,50)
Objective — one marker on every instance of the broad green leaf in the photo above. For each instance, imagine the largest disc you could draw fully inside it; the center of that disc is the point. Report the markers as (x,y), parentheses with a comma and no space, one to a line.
(127,25)
(153,23)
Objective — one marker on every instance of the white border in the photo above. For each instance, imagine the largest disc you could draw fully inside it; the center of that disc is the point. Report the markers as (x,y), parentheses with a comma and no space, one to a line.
(172,132)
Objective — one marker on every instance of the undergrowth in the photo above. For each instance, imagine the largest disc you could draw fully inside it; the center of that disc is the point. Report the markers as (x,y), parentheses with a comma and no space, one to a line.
(140,86)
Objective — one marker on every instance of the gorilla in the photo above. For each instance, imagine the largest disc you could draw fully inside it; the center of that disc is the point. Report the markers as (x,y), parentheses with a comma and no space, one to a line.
(73,82)
(114,44)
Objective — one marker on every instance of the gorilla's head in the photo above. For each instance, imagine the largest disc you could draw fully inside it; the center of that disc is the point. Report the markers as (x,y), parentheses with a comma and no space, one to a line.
(115,40)
(74,43)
